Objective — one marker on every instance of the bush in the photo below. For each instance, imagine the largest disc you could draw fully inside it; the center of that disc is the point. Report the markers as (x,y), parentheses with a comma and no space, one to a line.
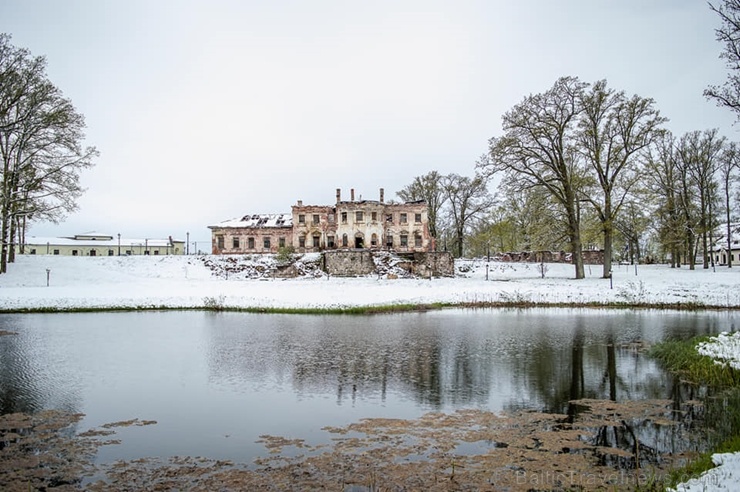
(285,254)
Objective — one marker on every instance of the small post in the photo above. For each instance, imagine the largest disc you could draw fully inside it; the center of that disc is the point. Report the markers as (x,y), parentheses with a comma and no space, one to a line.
(486,271)
(611,280)
(48,274)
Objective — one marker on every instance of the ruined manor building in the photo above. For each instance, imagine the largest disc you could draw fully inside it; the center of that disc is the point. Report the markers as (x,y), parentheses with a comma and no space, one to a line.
(362,224)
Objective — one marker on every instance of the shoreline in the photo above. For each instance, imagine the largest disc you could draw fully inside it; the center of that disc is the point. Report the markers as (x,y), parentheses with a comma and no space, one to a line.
(380,309)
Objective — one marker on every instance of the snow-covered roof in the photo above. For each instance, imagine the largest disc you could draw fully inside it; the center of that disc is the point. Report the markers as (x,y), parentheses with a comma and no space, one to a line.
(257,220)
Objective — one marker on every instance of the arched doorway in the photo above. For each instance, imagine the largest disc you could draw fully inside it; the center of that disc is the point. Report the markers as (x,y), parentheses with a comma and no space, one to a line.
(359,241)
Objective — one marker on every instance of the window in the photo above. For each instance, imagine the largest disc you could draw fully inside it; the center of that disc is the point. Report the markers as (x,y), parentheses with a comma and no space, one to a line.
(235,242)
(75,252)
(220,242)
(374,240)
(93,252)
(301,241)
(301,219)
(156,251)
(389,241)
(344,217)
(33,251)
(389,218)
(358,216)
(316,219)
(281,242)
(146,253)
(331,218)
(417,218)
(404,240)
(250,243)
(128,252)
(110,252)
(56,251)
(417,240)
(330,241)
(316,241)
(266,243)
(344,240)
(374,216)
(404,218)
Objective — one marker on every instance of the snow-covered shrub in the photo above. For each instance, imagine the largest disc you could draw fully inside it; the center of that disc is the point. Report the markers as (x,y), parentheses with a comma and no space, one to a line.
(214,303)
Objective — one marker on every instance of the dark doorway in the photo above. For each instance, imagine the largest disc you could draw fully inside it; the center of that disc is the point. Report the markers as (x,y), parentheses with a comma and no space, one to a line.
(359,243)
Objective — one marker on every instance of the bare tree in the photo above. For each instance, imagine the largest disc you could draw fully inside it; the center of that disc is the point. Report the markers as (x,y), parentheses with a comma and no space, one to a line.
(728,94)
(429,189)
(614,130)
(662,175)
(468,198)
(41,137)
(699,153)
(537,150)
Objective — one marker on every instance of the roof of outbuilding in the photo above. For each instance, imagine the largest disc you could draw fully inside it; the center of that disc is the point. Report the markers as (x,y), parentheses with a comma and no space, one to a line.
(71,241)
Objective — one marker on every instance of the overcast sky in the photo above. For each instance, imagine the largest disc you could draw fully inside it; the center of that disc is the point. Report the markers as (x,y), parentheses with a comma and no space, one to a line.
(207,110)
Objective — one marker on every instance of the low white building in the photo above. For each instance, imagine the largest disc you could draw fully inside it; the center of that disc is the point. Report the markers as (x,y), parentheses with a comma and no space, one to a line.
(720,251)
(101,244)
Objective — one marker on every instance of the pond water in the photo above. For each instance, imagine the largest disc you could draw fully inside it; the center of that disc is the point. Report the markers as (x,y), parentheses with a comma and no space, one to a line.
(215,382)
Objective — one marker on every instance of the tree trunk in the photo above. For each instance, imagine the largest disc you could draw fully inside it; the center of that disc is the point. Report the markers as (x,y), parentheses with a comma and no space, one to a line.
(459,242)
(11,246)
(729,227)
(607,251)
(690,249)
(4,238)
(575,240)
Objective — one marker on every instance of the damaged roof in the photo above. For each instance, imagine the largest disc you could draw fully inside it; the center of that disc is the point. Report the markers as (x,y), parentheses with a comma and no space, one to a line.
(257,220)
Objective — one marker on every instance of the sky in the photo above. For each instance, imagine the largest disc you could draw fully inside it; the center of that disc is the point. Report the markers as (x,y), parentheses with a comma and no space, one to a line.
(203,111)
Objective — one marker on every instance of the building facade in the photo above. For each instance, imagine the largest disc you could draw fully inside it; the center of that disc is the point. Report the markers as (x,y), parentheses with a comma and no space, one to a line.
(101,244)
(348,224)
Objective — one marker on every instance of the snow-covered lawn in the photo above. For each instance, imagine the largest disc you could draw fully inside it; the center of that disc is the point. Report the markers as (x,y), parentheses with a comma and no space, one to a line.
(187,281)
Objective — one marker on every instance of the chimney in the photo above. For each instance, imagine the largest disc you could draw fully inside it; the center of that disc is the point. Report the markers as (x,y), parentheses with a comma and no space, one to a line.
(382,194)
(352,194)
(339,195)
(300,203)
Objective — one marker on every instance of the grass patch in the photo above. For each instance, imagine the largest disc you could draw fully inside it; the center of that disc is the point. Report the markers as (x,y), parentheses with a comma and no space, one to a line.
(722,411)
(682,358)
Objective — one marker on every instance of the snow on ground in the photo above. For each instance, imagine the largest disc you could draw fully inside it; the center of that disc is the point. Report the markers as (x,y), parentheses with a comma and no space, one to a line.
(189,281)
(196,281)
(725,348)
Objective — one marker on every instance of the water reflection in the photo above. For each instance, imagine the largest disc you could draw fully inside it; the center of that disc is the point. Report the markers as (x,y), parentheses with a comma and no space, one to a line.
(243,375)
(500,359)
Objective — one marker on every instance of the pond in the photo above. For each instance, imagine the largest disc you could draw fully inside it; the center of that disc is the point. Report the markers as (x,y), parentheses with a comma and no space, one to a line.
(215,382)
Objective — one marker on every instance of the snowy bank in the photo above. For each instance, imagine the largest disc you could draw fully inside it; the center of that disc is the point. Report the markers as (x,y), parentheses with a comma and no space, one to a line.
(193,281)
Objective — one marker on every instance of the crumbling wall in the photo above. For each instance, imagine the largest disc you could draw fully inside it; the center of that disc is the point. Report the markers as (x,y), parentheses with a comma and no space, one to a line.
(433,264)
(348,263)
